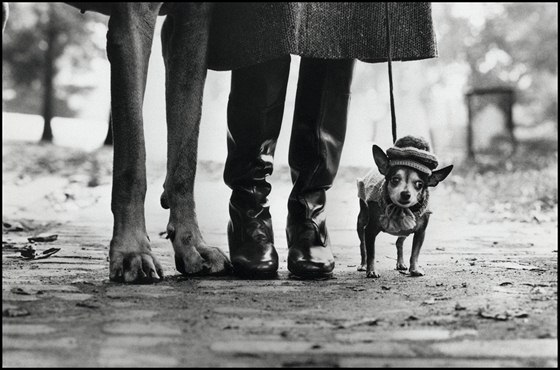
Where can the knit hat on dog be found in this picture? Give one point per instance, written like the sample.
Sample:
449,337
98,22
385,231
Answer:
412,151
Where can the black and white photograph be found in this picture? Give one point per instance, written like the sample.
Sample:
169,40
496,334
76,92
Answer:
280,184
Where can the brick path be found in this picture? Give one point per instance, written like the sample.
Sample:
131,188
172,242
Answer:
489,297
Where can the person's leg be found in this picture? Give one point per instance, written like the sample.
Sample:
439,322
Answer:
255,110
316,143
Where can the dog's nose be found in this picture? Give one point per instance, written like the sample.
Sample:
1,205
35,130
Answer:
405,195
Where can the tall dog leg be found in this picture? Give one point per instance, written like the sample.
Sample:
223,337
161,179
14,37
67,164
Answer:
129,40
417,242
400,257
184,40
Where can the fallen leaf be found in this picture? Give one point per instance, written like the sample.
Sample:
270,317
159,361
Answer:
506,283
43,239
538,290
459,307
7,227
28,252
493,316
15,312
517,266
21,291
369,322
88,304
383,287
49,252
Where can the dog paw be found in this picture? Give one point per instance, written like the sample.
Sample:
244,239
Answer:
188,261
194,257
362,268
133,263
417,271
202,260
372,274
401,266
215,260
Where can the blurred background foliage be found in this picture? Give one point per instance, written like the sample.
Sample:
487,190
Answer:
506,44
480,45
54,64
42,41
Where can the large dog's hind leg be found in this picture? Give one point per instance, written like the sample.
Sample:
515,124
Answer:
184,40
129,40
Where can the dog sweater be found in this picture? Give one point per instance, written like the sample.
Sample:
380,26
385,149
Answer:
395,220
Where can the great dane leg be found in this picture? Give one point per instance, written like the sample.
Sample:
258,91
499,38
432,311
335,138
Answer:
184,40
129,40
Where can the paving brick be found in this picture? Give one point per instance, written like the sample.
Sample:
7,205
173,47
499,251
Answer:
70,296
514,348
9,296
121,357
132,341
243,347
133,291
257,322
15,358
131,315
63,267
9,342
26,329
427,362
428,334
135,328
34,288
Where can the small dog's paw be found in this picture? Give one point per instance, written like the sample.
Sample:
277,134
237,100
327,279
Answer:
362,268
401,266
416,271
372,274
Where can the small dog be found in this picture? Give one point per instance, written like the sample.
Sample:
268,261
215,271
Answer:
396,202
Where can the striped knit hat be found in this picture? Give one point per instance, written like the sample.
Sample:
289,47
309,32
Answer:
412,151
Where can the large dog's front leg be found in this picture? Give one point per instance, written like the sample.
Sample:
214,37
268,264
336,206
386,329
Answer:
129,40
184,40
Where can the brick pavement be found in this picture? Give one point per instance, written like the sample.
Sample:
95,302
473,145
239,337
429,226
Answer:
75,317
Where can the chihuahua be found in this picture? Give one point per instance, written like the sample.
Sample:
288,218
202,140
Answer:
396,200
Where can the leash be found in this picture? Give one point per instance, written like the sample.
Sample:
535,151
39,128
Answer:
389,59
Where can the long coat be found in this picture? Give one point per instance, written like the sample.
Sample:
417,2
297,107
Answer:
243,34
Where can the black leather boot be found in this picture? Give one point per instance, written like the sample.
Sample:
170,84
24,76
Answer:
316,143
255,110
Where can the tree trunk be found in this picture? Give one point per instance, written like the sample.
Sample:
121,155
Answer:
48,96
109,137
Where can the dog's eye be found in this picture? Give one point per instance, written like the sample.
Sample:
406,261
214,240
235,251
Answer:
395,181
419,185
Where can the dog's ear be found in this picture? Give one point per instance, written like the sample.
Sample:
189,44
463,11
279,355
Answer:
381,159
439,175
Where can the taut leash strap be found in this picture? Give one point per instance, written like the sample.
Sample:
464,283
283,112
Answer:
389,59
